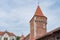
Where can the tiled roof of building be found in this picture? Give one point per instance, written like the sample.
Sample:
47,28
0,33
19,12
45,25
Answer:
48,33
38,12
1,33
10,34
27,36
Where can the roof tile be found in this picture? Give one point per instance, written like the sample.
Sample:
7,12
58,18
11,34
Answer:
38,12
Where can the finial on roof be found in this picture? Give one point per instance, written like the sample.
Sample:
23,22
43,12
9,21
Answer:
38,2
6,31
22,33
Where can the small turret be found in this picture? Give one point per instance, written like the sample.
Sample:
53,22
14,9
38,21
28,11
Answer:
38,24
22,37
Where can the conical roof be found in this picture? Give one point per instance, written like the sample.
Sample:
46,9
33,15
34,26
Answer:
38,12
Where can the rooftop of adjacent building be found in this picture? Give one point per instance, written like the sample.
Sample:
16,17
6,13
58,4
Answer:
9,33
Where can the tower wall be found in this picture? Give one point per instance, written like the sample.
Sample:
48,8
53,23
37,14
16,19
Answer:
32,28
38,24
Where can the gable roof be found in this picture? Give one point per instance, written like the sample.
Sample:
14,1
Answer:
10,34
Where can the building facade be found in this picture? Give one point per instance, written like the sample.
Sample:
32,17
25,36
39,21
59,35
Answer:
7,36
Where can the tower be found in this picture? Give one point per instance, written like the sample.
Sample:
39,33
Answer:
38,24
22,37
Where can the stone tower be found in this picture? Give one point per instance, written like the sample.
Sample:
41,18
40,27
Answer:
38,24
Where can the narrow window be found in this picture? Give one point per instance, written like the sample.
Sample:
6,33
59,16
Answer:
5,38
12,39
58,38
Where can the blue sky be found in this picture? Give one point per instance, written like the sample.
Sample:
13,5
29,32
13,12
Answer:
16,14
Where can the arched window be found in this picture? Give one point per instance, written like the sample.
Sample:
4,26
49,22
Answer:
12,39
5,38
58,38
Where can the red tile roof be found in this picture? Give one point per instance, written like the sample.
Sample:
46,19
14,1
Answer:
10,34
1,33
38,12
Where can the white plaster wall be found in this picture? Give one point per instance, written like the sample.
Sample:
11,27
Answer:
5,36
12,37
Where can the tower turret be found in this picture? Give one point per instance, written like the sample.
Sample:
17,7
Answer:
38,24
22,37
